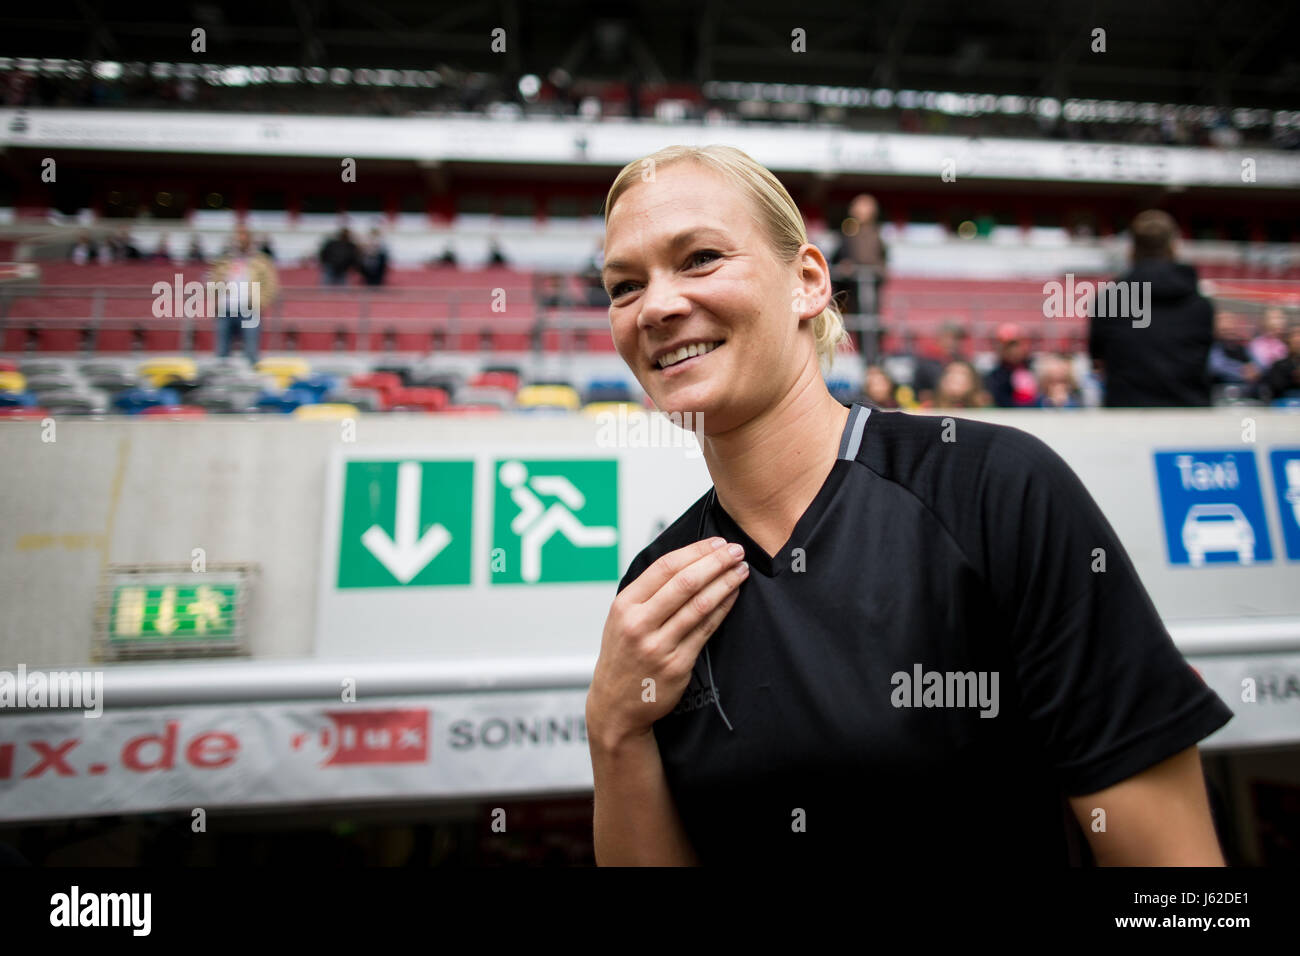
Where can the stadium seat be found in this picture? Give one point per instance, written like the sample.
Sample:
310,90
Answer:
174,411
599,408
42,365
418,399
319,385
162,370
548,396
135,400
364,399
284,370
230,399
328,411
495,397
841,388
286,401
75,402
474,409
23,412
50,381
496,379
383,383
607,390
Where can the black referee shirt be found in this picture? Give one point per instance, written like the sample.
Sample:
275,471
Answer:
930,663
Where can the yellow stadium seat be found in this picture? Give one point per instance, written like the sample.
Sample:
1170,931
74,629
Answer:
284,370
160,371
548,396
326,412
599,408
13,382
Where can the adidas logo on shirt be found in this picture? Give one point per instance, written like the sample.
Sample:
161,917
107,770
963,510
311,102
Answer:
695,697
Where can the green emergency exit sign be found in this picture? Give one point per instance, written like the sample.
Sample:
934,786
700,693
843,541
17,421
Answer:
173,612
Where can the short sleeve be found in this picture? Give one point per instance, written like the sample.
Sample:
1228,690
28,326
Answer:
1104,689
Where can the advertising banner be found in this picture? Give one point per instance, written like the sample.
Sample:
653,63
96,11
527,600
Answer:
62,764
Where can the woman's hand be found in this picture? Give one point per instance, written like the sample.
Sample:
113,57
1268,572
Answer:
655,630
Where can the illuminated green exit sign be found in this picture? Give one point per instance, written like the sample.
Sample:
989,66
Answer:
170,611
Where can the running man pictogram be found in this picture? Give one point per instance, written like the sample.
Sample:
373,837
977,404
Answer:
536,525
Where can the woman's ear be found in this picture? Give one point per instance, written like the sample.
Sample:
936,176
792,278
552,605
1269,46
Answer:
812,294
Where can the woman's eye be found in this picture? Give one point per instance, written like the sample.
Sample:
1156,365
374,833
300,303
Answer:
699,258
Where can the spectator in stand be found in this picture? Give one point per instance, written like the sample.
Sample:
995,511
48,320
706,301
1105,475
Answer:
195,253
1056,385
591,276
1012,383
495,256
447,259
881,391
338,256
952,348
1230,361
373,261
249,268
84,250
959,387
859,265
264,245
1282,380
161,253
120,246
1163,361
551,293
1269,346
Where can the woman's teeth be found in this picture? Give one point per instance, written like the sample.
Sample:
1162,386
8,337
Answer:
687,351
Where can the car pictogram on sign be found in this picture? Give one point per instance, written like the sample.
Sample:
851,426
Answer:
1217,528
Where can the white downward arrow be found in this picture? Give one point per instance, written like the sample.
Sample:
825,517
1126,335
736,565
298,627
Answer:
406,557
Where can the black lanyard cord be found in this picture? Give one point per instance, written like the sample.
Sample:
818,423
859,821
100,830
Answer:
708,663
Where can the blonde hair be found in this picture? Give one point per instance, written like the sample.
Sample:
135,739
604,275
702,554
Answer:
775,211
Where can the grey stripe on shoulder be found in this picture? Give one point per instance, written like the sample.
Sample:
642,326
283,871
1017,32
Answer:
852,438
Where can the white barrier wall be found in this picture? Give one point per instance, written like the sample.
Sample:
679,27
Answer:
135,492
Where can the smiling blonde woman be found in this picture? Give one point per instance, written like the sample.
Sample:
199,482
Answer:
879,636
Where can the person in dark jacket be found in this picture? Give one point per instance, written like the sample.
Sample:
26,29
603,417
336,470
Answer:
1159,359
1282,380
1012,383
373,262
338,256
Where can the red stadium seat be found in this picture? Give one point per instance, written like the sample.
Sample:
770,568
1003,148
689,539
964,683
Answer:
175,411
422,399
472,410
506,380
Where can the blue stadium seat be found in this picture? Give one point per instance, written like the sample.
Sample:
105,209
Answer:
134,400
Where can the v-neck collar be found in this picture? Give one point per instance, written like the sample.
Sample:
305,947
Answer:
772,565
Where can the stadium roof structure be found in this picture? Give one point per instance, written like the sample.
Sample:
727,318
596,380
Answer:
1175,51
